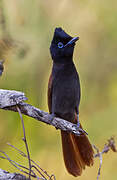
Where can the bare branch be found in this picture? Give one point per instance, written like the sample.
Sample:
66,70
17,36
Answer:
41,171
17,165
107,147
44,175
9,99
25,141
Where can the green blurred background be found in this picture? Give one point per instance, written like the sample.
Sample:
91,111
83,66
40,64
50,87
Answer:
26,30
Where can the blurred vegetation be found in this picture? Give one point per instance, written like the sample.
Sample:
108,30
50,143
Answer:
26,29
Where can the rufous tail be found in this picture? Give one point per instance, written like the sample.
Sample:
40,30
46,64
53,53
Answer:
77,152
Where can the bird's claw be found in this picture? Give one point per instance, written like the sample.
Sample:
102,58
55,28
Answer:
83,131
80,130
51,117
78,126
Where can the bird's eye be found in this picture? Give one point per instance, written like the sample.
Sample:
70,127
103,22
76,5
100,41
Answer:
60,45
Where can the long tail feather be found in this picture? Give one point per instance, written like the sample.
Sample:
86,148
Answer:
73,166
77,152
83,145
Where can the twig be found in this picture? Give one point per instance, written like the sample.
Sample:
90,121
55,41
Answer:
17,165
43,177
99,154
36,165
25,140
107,147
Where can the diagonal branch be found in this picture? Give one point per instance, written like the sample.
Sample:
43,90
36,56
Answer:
10,98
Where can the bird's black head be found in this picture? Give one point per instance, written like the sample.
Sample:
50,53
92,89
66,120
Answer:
62,46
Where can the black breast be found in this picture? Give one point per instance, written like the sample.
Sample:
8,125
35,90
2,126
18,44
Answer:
65,91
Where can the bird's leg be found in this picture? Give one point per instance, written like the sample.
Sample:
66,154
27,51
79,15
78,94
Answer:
78,122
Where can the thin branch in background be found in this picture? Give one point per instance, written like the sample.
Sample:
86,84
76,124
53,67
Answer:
25,140
17,165
43,177
107,147
35,164
99,154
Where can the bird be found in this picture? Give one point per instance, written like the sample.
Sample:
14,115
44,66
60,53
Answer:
64,100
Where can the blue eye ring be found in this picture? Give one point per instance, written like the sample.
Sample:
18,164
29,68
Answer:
60,45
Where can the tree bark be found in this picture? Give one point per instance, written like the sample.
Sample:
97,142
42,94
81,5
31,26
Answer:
9,99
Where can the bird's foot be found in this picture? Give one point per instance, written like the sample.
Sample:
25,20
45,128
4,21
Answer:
78,126
51,117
